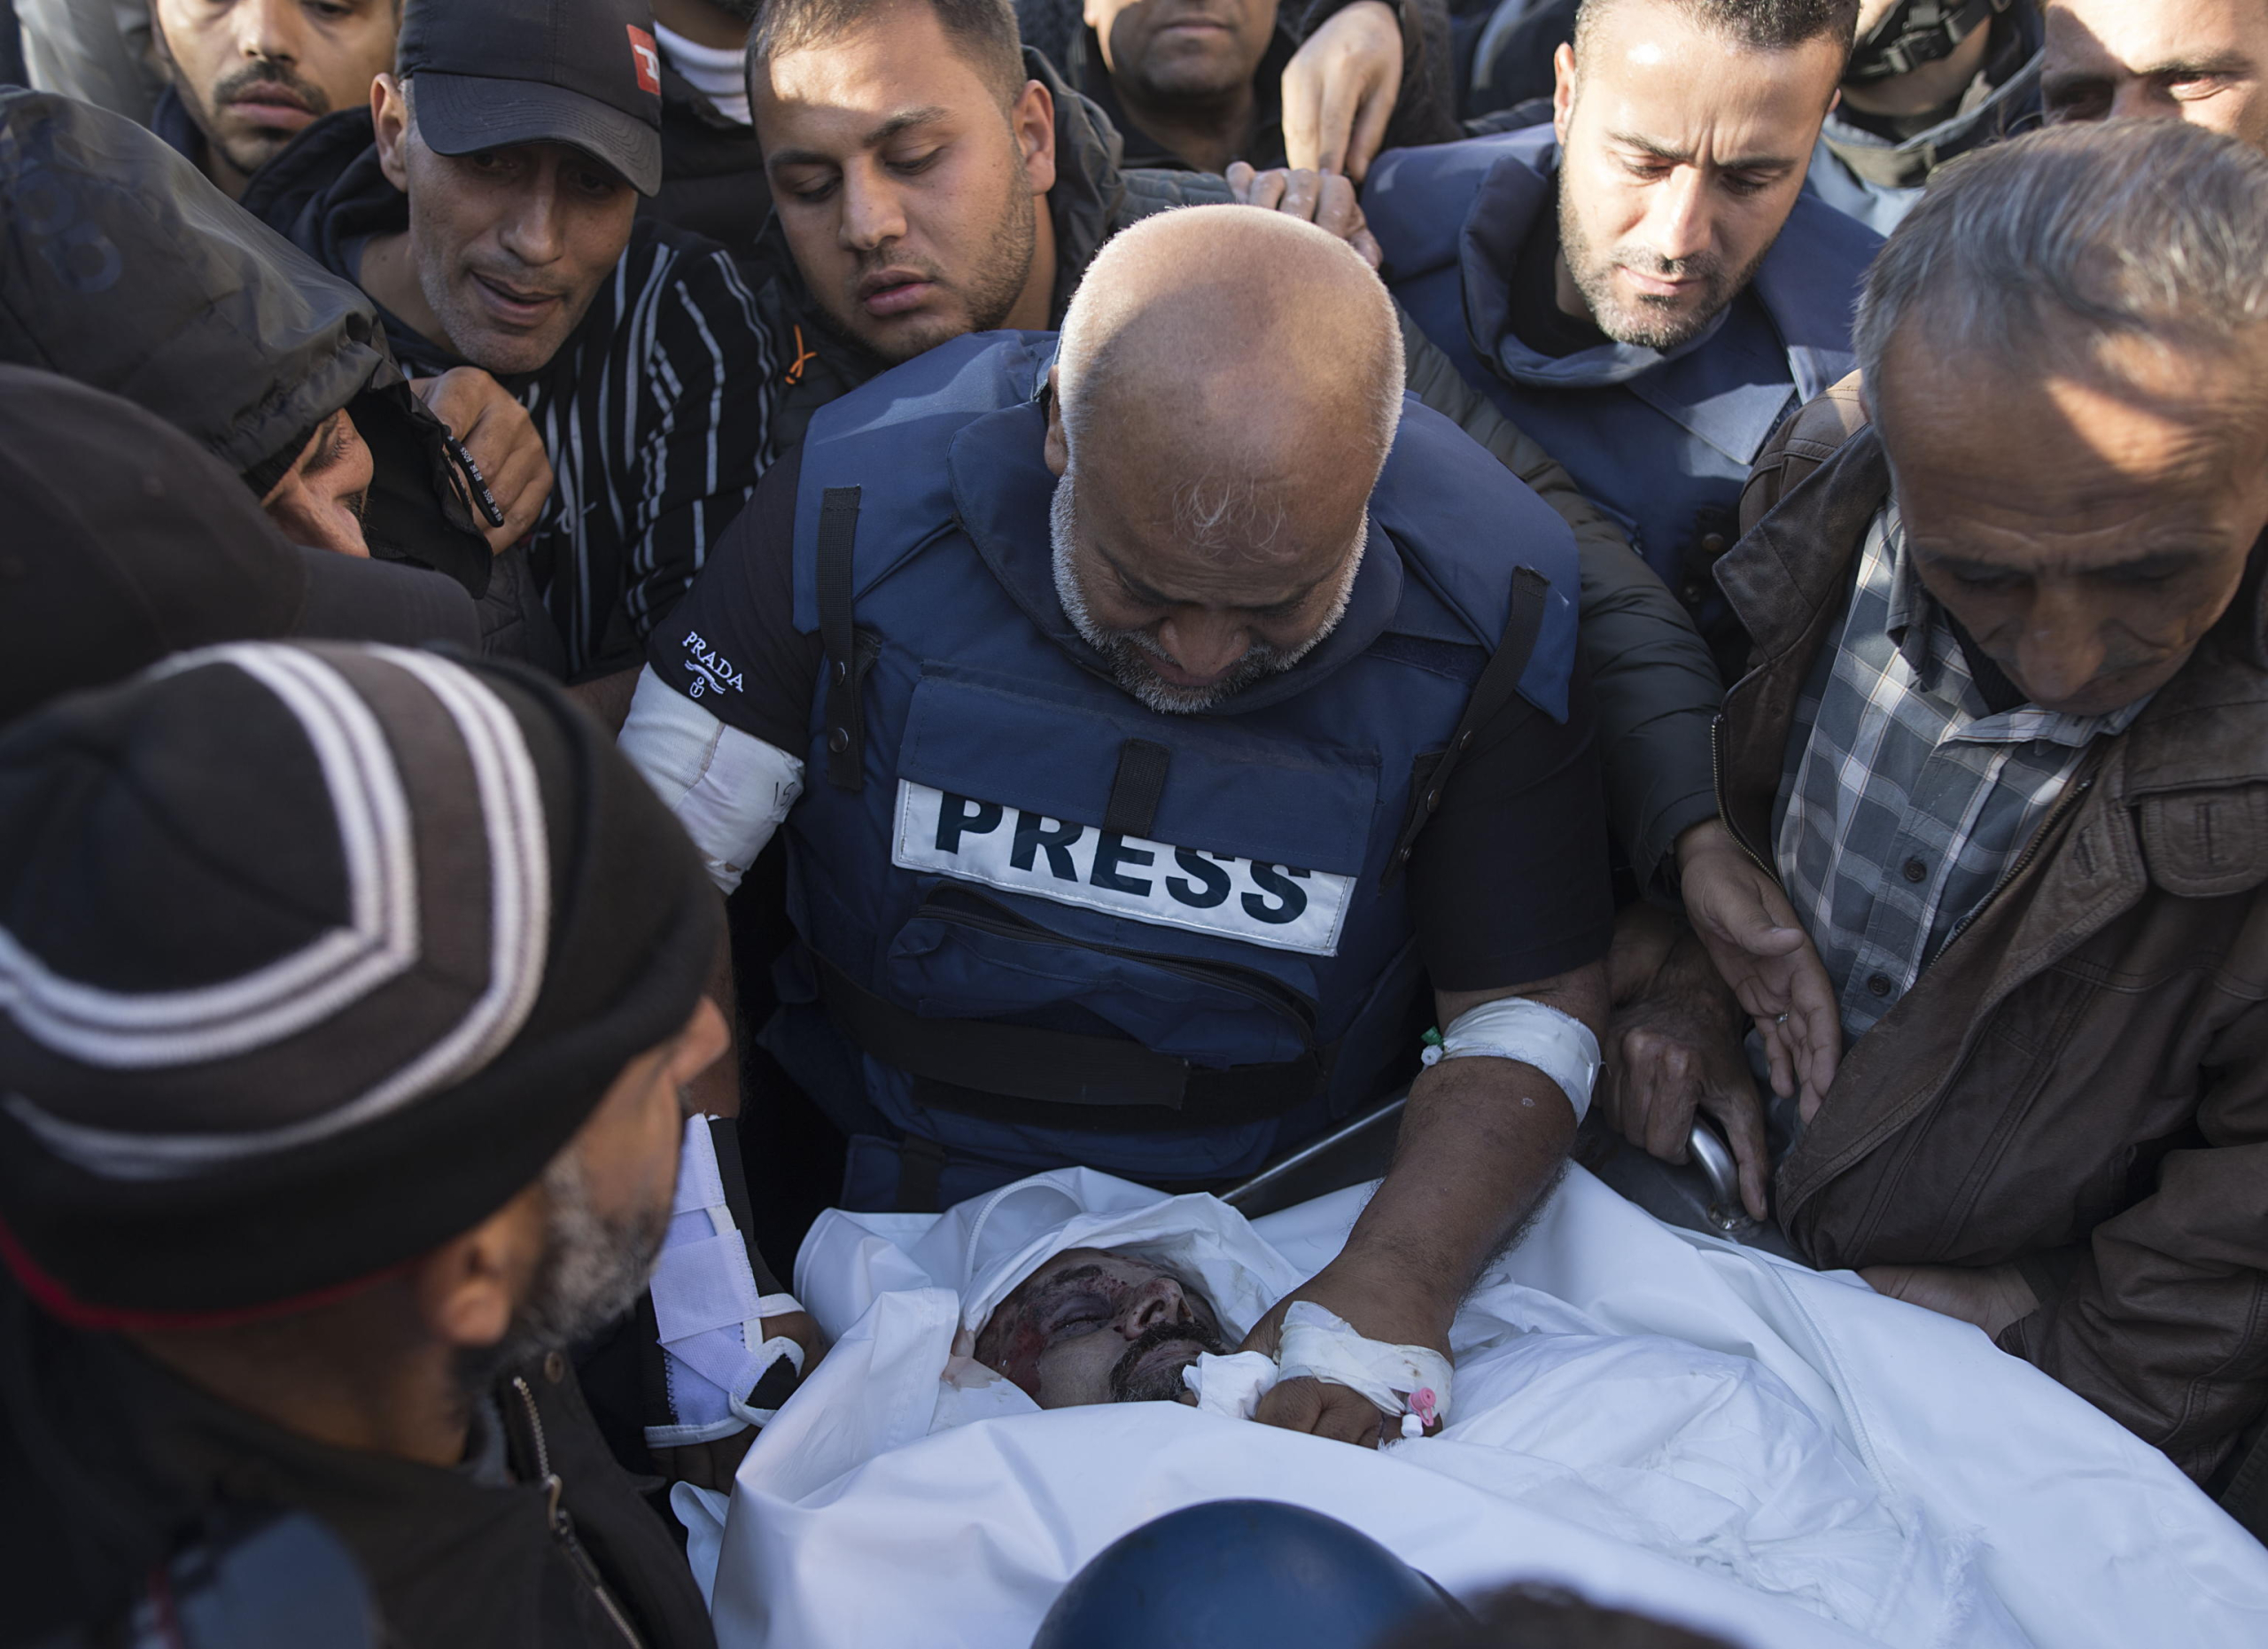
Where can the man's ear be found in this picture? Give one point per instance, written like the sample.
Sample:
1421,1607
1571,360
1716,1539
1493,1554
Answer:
467,1289
390,123
1056,450
1563,89
1033,121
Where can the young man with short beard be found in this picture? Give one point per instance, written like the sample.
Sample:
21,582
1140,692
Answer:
246,77
346,999
1641,285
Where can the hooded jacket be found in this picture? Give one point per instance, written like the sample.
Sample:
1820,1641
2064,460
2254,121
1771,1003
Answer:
2078,1082
143,279
712,171
1664,439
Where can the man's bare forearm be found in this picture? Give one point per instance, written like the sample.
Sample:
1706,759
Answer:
716,1092
1481,1139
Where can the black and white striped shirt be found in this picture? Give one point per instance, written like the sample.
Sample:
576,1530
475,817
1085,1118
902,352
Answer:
654,412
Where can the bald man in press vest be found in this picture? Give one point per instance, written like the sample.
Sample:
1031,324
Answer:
1131,787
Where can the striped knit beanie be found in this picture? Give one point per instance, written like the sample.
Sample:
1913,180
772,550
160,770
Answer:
311,958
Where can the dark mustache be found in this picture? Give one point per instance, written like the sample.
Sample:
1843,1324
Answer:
269,72
1126,1386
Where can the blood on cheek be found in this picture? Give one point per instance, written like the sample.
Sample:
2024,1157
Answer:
1042,1324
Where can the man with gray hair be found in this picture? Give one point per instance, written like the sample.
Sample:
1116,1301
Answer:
1144,713
2003,744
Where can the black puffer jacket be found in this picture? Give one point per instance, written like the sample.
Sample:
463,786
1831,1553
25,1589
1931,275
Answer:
121,266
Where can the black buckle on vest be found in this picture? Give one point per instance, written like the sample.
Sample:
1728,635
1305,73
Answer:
1132,809
846,723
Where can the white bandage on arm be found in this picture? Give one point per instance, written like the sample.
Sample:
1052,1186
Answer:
1512,1027
1318,1344
728,788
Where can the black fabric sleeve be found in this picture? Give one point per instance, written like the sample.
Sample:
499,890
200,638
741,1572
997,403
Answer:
1510,882
734,636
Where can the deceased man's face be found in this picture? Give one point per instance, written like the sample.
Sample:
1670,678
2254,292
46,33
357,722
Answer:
1092,1326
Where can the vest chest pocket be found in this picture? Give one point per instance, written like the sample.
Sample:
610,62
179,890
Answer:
1245,839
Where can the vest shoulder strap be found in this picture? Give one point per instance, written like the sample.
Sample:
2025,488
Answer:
1492,694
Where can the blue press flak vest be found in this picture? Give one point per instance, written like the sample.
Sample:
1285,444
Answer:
1663,442
1176,934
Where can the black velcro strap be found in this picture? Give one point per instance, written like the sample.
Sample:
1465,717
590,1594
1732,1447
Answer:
1133,806
846,732
1022,1073
725,1138
1499,685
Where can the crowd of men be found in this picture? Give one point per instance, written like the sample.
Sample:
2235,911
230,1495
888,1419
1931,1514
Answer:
1121,563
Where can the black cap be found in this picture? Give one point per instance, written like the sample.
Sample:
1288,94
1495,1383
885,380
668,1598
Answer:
585,72
126,542
311,958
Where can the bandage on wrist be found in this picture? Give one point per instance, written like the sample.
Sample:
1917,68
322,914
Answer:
1317,1344
1559,1045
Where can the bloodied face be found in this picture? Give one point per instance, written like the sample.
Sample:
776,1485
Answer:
1092,1326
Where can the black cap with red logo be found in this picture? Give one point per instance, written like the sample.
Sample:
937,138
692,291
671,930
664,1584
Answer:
584,72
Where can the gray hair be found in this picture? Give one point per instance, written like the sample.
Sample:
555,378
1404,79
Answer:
2152,229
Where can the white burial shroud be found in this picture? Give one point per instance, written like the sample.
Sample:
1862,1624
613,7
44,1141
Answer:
1656,1418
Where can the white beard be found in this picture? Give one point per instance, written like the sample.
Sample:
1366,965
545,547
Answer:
1129,650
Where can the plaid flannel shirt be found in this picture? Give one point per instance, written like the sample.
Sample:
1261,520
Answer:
1906,799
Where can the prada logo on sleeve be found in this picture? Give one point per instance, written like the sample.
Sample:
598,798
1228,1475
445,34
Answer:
1278,906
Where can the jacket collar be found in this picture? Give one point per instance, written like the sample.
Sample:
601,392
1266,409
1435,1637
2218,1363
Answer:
1786,581
1089,187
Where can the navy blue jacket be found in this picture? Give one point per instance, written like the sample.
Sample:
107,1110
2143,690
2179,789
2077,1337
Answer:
1665,441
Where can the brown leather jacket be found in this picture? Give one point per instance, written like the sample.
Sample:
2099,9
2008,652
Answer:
2079,1081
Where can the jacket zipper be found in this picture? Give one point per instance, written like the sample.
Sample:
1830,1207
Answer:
1717,784
1006,925
563,1525
2064,804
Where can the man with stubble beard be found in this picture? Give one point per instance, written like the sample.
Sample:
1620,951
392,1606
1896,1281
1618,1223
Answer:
1642,285
487,204
346,997
248,76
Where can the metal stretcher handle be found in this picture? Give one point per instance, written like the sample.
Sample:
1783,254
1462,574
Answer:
1726,1211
